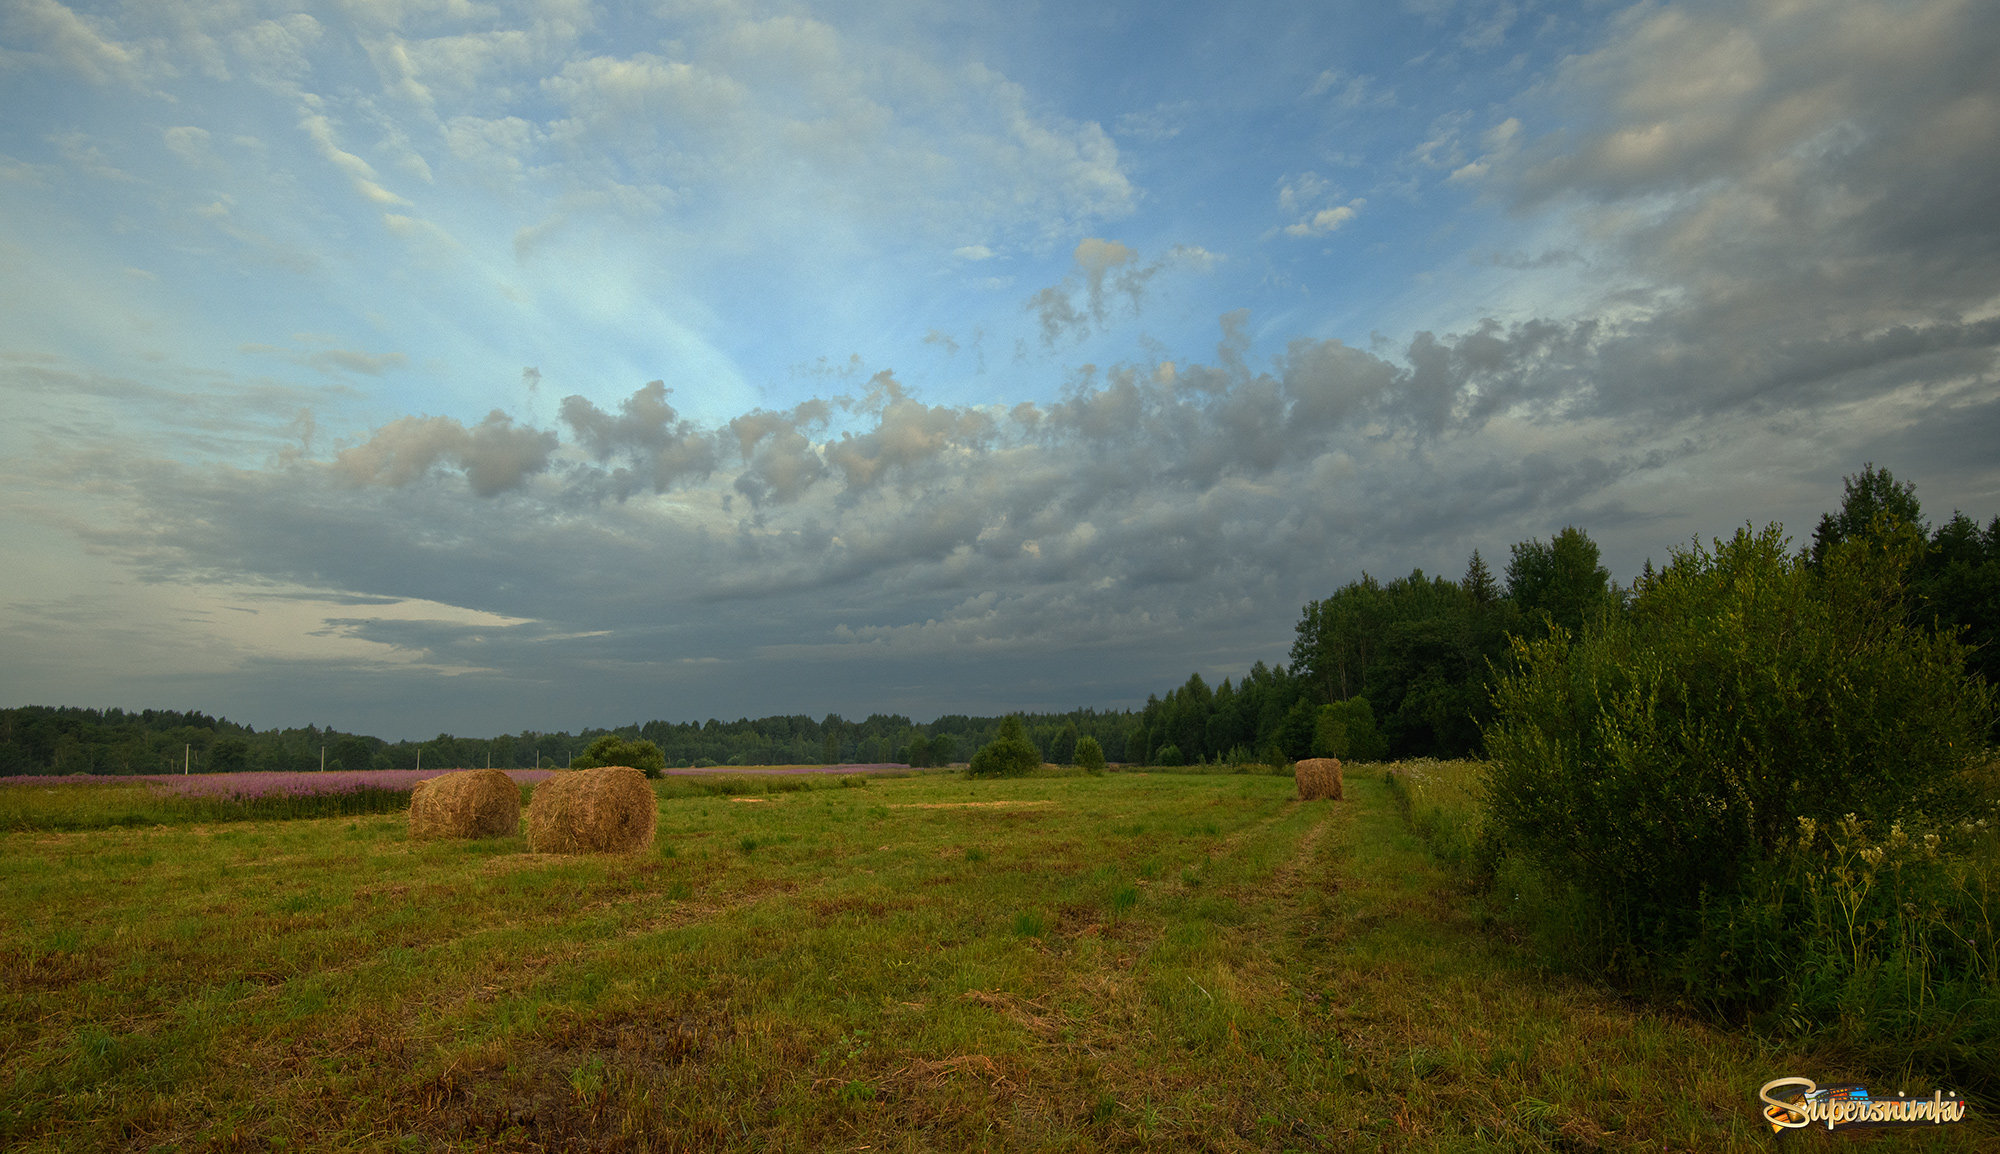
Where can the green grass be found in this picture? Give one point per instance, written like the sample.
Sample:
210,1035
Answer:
1129,962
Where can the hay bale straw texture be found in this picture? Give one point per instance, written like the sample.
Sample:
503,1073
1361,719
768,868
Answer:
609,809
470,803
1318,777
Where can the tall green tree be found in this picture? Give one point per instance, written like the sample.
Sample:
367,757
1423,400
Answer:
1559,581
1062,750
1872,504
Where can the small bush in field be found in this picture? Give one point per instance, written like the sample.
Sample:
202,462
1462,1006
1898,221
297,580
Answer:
1010,754
1168,755
1089,755
611,749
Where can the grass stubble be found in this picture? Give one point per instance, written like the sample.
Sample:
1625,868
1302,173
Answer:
1115,963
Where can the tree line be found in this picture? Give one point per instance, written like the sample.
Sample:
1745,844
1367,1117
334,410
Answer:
38,739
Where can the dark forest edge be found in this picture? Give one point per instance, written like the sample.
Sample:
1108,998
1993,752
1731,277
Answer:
1400,669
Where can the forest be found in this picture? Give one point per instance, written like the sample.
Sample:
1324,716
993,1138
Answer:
1394,669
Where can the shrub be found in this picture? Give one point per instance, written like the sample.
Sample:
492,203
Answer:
1661,756
611,749
1089,755
1730,789
1168,755
1010,754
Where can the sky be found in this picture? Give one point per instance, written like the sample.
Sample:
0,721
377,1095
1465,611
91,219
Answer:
421,366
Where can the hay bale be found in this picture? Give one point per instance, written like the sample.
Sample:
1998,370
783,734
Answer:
1318,777
470,803
609,809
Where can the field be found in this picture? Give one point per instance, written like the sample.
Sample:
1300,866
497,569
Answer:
1129,962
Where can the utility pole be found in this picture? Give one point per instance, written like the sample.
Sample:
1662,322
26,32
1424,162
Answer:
186,757
322,759
420,759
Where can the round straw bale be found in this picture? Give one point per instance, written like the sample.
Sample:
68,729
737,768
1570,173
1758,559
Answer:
609,809
470,803
1318,777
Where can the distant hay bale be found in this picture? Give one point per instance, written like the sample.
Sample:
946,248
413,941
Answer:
1318,777
470,803
609,809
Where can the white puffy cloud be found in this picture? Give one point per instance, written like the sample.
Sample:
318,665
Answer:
1325,220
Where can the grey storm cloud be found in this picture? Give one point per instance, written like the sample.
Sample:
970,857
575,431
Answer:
1812,187
1142,476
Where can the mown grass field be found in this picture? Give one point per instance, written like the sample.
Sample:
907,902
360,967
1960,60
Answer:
1131,962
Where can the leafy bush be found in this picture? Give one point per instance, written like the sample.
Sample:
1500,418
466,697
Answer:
613,750
1760,784
1010,754
1660,756
1089,755
1168,755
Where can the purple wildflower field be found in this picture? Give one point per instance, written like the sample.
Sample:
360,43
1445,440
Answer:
246,786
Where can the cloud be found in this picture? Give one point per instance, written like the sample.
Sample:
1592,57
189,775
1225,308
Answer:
772,112
75,41
1079,304
1158,124
1326,219
351,361
495,455
189,143
653,446
1306,196
359,172
1349,91
1791,211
